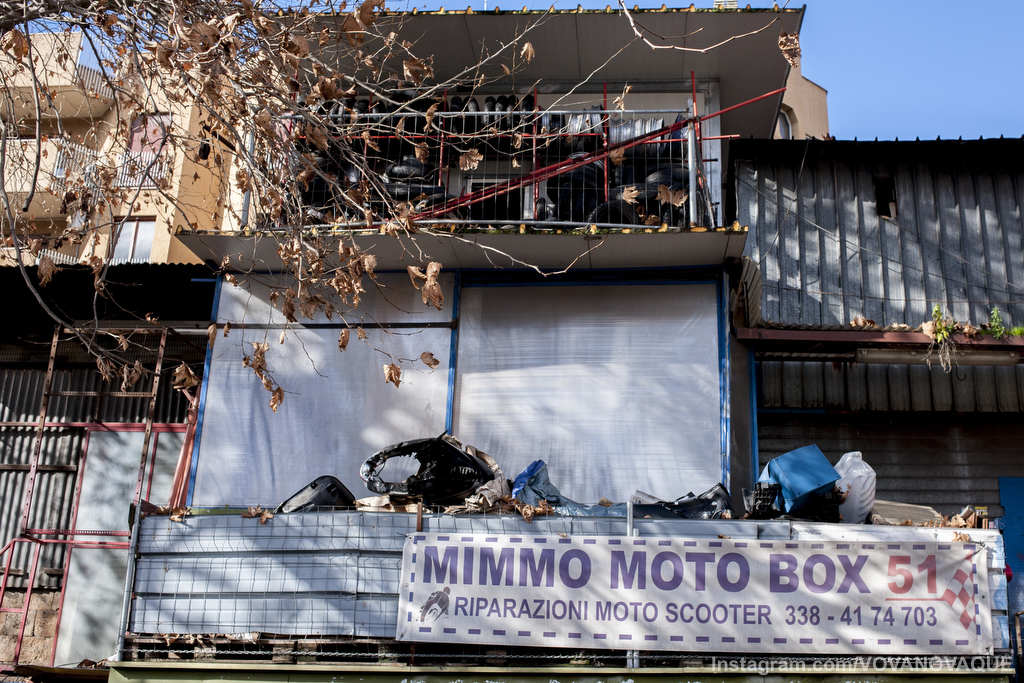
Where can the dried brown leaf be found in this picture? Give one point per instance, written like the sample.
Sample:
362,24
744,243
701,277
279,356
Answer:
860,322
106,369
15,43
428,359
365,13
184,378
630,194
343,339
211,333
393,374
276,398
528,53
416,70
45,269
370,142
470,160
789,45
421,151
130,375
429,116
360,334
673,197
620,101
507,71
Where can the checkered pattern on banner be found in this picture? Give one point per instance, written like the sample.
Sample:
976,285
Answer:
959,595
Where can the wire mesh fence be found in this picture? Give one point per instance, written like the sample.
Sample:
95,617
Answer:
503,162
323,585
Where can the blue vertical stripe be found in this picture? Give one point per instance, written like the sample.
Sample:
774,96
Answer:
723,372
453,352
202,396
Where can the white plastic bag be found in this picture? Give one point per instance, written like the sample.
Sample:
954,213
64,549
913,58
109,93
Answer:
857,479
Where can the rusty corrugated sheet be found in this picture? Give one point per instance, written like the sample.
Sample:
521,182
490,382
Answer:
825,255
61,452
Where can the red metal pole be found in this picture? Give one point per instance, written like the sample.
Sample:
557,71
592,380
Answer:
533,156
152,467
9,550
151,413
570,164
37,445
28,601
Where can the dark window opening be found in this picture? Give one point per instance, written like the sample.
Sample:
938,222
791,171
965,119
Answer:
885,196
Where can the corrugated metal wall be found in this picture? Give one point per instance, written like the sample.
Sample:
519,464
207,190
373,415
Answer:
825,255
61,452
920,459
884,388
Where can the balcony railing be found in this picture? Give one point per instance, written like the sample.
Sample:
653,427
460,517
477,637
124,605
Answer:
549,170
143,169
93,81
72,158
60,159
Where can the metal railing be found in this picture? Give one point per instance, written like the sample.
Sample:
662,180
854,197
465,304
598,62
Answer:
71,158
143,169
93,81
553,170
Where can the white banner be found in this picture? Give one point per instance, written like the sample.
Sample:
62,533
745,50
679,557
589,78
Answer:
649,593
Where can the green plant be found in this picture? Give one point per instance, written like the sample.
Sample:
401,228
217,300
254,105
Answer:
940,330
995,324
1017,331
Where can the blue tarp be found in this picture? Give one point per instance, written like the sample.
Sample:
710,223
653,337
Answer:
802,474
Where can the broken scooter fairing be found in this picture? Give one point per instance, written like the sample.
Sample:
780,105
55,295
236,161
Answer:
447,473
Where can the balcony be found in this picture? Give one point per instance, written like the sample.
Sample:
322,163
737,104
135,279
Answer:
144,170
76,90
61,163
554,170
550,185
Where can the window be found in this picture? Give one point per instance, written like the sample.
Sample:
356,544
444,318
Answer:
885,196
783,127
134,241
145,162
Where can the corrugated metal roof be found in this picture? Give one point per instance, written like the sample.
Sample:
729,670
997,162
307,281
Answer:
825,254
61,451
806,385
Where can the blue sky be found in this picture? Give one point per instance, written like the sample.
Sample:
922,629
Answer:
909,68
893,68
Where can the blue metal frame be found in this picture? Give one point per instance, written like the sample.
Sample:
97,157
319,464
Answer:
202,397
755,449
453,353
723,344
723,375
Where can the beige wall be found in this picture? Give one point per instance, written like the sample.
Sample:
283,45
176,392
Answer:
192,196
805,103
